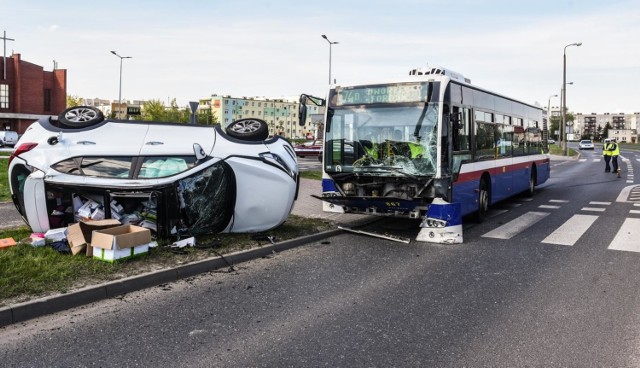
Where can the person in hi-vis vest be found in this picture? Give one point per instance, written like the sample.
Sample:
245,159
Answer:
614,148
606,155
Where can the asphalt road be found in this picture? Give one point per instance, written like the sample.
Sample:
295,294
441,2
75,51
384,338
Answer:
522,295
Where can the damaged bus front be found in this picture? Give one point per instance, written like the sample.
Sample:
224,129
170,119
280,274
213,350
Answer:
386,153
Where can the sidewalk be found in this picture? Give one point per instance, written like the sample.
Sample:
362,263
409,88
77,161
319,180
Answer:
305,206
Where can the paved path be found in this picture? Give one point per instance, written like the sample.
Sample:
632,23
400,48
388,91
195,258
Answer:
307,206
9,216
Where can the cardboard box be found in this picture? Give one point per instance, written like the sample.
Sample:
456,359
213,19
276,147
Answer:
79,234
7,242
120,242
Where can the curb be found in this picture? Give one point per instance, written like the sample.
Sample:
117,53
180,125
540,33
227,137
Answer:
52,304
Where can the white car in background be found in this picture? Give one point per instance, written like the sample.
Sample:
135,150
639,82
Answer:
169,177
586,144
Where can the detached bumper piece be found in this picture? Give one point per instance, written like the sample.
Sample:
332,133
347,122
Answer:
376,235
442,224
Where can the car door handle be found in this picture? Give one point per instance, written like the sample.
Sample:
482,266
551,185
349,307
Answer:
85,142
154,143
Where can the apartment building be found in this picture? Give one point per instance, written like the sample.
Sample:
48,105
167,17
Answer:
624,127
280,114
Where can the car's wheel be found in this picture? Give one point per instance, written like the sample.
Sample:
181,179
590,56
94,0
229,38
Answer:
80,117
483,201
249,129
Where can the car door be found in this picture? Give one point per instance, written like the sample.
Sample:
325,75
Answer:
111,139
176,139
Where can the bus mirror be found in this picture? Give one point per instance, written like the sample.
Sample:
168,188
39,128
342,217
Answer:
302,110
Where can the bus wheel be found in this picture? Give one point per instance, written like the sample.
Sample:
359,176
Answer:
532,183
483,201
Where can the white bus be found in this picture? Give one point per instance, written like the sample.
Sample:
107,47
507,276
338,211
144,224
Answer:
430,146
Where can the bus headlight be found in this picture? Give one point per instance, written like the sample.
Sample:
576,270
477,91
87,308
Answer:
436,223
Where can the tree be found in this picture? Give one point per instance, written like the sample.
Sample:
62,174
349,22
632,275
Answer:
207,118
605,132
555,126
73,101
154,110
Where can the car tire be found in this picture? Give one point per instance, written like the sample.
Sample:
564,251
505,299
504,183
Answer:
79,117
248,129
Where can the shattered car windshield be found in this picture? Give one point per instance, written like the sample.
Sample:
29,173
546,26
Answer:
398,140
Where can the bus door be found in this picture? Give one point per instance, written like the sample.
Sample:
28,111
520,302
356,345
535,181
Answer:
463,187
503,177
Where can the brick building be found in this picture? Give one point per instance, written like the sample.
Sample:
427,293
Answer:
29,93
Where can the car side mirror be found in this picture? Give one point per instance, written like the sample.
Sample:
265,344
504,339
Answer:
199,151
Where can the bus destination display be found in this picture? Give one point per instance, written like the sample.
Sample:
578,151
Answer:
399,93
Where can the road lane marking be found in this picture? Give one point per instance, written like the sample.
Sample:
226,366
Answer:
571,231
515,226
635,211
548,206
627,236
584,159
558,201
596,160
593,209
601,203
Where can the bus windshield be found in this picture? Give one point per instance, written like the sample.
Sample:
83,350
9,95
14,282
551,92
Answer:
382,140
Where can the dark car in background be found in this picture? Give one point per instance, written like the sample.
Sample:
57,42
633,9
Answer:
309,148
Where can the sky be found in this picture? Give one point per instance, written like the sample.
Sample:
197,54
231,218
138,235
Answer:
188,50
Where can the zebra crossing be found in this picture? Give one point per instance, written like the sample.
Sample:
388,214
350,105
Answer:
570,232
624,161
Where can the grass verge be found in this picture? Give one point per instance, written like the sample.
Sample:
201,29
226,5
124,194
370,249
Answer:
28,273
315,175
5,195
557,150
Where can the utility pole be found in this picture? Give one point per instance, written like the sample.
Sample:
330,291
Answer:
4,54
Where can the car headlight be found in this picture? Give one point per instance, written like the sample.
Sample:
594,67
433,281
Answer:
278,161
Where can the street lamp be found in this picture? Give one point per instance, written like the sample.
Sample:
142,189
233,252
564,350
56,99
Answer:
564,95
120,88
330,43
549,109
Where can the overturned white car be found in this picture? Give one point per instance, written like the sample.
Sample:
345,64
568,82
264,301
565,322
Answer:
168,177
